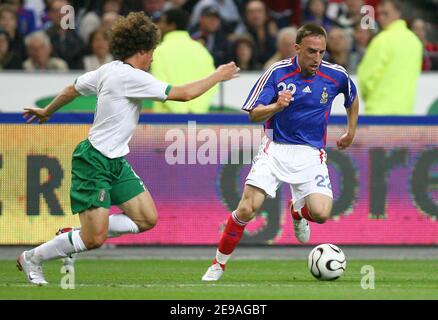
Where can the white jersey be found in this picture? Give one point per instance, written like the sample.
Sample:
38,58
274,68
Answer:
120,90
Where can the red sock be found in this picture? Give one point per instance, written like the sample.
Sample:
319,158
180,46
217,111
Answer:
222,265
305,213
232,234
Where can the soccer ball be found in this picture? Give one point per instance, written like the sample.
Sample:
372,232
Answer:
326,262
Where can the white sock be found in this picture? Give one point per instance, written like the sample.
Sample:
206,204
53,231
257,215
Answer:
71,242
120,224
222,258
59,247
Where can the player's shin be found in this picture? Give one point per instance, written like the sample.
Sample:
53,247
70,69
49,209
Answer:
61,246
230,238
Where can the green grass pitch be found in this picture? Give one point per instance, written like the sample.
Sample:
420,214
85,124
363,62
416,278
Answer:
244,279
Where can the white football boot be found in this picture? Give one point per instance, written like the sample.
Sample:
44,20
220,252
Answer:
33,271
301,227
214,272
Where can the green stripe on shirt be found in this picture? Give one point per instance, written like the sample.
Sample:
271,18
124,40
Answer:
169,87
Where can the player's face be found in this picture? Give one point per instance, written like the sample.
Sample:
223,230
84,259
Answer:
147,58
310,53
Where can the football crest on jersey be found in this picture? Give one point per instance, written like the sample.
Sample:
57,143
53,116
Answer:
324,96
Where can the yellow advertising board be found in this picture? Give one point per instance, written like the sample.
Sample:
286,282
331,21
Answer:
35,174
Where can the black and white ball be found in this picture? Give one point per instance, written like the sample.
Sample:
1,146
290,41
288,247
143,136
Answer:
327,262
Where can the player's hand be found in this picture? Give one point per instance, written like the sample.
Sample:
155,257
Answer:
35,113
284,99
228,71
344,141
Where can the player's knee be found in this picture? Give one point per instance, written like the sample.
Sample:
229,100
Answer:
95,241
148,222
246,211
321,213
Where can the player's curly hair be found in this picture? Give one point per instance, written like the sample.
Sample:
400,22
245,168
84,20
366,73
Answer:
133,34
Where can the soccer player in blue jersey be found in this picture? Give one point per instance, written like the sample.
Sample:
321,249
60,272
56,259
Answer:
293,98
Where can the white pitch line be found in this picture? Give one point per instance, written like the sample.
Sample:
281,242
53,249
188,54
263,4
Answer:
188,285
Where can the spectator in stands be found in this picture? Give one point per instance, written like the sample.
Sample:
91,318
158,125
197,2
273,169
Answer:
362,38
179,59
210,34
8,22
316,12
92,20
346,14
176,4
108,20
338,48
243,53
285,46
99,44
38,8
284,12
154,8
389,71
7,59
66,44
131,6
262,29
227,9
26,17
39,50
430,50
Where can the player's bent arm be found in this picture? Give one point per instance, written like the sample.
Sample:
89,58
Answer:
262,113
352,116
193,90
64,97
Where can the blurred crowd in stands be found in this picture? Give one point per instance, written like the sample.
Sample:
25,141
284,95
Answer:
254,33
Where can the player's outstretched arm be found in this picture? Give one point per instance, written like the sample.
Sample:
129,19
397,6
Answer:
352,114
263,113
193,90
66,96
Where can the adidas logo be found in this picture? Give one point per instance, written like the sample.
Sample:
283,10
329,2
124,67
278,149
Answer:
307,90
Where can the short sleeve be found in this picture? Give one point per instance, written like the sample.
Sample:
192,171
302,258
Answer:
86,84
143,85
348,88
263,92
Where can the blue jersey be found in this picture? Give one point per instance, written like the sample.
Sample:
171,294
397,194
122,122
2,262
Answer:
305,120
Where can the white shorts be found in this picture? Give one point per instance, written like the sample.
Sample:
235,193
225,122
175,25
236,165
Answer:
301,166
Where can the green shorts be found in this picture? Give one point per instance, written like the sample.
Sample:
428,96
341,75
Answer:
99,182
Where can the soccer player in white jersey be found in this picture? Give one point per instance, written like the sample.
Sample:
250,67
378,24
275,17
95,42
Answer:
101,176
293,98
